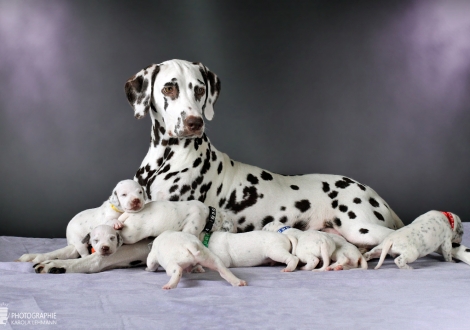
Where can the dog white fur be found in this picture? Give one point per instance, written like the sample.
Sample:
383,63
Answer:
127,196
346,255
253,248
427,233
312,245
176,251
104,239
157,217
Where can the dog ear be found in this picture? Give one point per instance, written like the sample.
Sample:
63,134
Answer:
113,199
139,90
119,239
212,90
86,239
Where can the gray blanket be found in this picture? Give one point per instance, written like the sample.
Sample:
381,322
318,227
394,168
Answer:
435,295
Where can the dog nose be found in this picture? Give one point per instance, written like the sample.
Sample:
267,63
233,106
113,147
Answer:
105,248
193,123
135,202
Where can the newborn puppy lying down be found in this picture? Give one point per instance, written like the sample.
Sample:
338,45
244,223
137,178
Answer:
176,251
345,255
429,232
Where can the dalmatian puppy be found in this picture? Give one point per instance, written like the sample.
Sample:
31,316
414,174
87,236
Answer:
346,255
312,245
429,232
182,164
176,251
128,196
156,217
253,248
103,239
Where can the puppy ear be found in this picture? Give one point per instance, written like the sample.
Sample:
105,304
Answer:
139,90
86,239
212,90
119,239
113,199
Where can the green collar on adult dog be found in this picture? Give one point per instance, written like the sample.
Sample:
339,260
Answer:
206,239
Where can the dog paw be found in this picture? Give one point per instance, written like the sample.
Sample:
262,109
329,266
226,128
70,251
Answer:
241,283
48,267
27,258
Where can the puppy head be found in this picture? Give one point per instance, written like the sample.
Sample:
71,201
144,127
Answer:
177,91
458,229
128,196
104,239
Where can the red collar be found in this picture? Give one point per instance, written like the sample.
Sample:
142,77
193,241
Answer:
449,217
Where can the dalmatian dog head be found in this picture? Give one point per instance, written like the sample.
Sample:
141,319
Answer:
128,196
104,240
179,92
458,229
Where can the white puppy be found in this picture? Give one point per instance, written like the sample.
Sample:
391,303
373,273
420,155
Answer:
176,251
103,239
253,248
312,245
156,217
426,234
127,196
346,255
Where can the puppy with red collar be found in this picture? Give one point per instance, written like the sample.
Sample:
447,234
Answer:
429,232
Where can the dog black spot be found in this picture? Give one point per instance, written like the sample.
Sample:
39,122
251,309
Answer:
467,250
162,129
455,245
301,225
348,180
326,187
197,143
302,205
252,179
250,197
361,186
261,196
239,230
241,220
184,189
248,228
379,216
352,215
164,142
333,194
187,142
165,169
190,198
267,220
173,188
363,231
165,105
357,200
219,169
343,208
214,156
334,204
373,202
34,266
203,190
190,86
135,262
197,162
156,134
185,170
176,180
342,184
197,182
283,208
266,176
222,202
294,187
219,189
337,222
283,219
174,142
174,198
169,175
231,162
159,161
207,162
166,153
56,270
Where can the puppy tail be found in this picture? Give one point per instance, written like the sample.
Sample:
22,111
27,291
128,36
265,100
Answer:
193,249
386,245
293,242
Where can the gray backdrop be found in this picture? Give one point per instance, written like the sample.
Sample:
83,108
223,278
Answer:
375,90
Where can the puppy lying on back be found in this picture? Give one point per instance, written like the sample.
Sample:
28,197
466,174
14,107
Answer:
426,234
312,245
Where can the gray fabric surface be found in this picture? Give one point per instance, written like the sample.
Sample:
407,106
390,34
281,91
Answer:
435,295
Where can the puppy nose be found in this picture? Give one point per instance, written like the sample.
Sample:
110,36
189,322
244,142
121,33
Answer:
193,123
105,248
135,202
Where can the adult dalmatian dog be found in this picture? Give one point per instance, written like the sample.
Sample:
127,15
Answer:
182,164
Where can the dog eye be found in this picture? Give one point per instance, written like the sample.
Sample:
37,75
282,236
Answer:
167,90
95,241
200,91
124,195
112,238
140,192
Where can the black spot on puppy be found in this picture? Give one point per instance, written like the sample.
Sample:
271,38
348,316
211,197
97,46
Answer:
337,222
252,179
326,187
266,176
363,231
379,216
352,215
357,200
267,220
343,208
455,245
373,202
294,187
302,205
333,194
